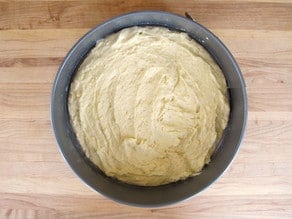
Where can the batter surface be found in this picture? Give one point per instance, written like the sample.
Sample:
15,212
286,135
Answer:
148,105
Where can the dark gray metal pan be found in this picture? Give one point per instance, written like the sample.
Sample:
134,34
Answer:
158,195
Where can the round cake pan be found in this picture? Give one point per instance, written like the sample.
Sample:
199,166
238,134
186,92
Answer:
144,196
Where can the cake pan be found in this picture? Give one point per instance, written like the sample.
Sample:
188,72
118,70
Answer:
149,196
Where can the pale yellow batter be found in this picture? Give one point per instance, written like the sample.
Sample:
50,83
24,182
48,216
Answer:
148,105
